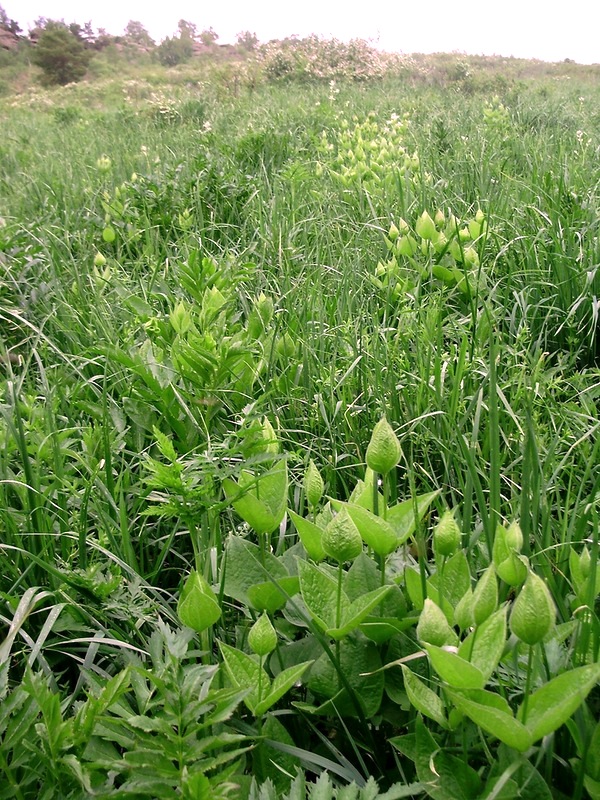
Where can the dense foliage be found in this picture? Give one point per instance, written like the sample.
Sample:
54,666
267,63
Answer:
299,452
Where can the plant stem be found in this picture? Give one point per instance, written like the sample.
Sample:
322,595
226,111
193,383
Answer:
527,684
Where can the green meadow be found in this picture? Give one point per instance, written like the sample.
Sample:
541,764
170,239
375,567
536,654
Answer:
299,434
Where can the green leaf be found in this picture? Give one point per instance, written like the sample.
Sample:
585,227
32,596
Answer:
493,714
446,777
375,531
362,577
269,596
402,516
423,698
310,535
260,501
282,683
357,611
453,669
485,645
244,671
319,592
243,568
552,705
412,579
456,579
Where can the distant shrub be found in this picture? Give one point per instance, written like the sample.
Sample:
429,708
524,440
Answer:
61,55
175,50
318,59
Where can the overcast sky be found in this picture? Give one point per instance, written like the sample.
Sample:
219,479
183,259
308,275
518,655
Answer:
551,30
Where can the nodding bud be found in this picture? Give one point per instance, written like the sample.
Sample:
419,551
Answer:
262,637
384,451
313,484
99,260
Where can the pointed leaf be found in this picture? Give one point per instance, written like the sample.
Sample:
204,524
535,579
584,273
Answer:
243,568
453,669
375,531
243,671
493,714
310,535
423,698
282,683
319,592
269,596
552,705
402,516
485,645
446,777
357,611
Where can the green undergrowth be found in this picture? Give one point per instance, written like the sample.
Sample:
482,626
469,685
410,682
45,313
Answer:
299,444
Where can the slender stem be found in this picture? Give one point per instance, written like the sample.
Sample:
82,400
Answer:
338,615
527,684
375,495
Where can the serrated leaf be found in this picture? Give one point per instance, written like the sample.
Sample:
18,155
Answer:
310,535
551,706
493,714
423,698
453,669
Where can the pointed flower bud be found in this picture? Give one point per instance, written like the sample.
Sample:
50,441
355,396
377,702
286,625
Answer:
384,451
433,627
425,226
262,637
446,535
198,607
313,484
485,596
533,613
341,539
99,260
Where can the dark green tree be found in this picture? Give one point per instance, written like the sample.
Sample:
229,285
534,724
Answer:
174,50
61,55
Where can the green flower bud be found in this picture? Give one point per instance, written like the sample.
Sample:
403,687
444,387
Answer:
485,596
513,570
99,260
264,306
471,257
341,539
585,563
406,246
439,219
433,627
533,613
313,484
198,607
446,535
285,346
269,438
262,637
403,226
425,226
103,164
393,233
463,613
384,451
514,536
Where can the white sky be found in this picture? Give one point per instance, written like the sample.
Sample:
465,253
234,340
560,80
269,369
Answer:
550,30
